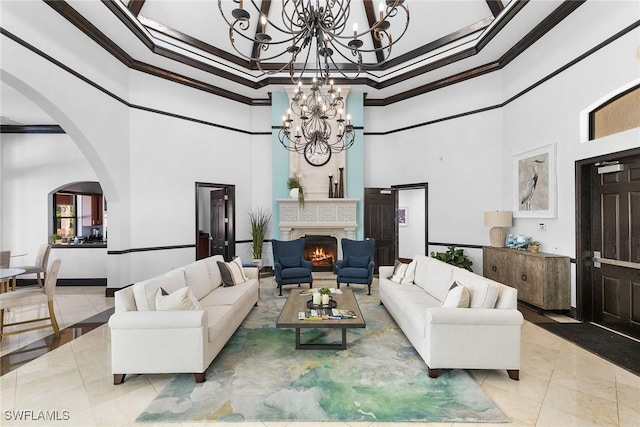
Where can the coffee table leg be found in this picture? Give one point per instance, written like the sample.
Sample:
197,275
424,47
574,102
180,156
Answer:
298,339
340,346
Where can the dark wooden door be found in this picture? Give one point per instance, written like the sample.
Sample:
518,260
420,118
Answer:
219,230
616,242
380,223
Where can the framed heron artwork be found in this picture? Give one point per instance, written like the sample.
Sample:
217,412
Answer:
535,183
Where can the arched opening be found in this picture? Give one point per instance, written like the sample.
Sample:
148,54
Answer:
78,215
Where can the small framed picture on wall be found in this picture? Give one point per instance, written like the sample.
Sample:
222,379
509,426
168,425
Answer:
402,216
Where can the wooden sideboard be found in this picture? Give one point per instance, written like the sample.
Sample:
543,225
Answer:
542,279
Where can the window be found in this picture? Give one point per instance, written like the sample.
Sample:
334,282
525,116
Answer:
65,219
620,113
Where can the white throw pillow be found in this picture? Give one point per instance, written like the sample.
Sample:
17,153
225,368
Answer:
403,273
457,297
182,299
484,295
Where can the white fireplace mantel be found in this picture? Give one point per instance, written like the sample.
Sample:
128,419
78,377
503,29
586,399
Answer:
332,217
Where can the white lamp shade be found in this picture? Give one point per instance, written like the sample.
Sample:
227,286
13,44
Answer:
498,219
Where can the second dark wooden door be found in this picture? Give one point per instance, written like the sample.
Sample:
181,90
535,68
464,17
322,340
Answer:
380,223
616,236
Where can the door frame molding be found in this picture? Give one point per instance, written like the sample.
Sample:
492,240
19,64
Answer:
231,190
425,186
584,260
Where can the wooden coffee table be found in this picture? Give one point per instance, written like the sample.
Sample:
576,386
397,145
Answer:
296,303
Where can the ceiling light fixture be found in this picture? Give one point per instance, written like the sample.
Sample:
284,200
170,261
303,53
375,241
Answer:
313,137
319,25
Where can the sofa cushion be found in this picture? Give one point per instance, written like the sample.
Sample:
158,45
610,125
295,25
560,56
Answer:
214,271
403,273
232,295
220,320
197,278
290,261
356,273
231,272
182,299
145,292
358,261
292,273
433,276
457,297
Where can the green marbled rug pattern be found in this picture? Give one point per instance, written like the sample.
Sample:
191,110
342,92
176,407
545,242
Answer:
259,376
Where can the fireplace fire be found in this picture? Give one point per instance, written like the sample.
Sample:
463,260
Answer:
322,251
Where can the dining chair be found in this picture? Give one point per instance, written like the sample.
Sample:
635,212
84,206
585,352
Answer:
5,259
29,297
40,267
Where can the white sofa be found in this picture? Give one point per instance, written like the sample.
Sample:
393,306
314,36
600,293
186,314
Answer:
455,338
145,340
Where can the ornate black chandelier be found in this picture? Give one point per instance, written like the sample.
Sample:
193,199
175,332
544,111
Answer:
315,110
303,24
318,26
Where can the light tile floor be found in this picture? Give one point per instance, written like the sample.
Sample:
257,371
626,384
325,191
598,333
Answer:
560,383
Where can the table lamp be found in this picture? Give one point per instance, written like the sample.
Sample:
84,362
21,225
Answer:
498,220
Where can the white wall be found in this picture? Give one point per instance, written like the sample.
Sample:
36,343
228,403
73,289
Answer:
458,158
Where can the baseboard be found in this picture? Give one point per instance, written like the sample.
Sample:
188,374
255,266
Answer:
98,281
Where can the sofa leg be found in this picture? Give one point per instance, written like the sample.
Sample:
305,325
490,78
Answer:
433,373
280,288
199,377
118,379
369,290
514,374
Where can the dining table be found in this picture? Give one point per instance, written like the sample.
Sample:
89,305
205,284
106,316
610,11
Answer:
8,278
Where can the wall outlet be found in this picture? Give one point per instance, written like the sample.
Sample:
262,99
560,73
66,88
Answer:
542,226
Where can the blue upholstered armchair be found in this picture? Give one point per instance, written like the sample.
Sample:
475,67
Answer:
357,262
289,263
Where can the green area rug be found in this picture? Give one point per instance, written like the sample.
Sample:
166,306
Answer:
259,376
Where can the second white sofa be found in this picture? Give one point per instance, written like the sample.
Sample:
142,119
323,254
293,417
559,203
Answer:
149,339
484,336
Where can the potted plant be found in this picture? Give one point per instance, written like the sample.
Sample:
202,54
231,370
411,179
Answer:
294,183
534,246
455,257
260,220
325,292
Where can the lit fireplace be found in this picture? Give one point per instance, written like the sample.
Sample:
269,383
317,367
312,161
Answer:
322,251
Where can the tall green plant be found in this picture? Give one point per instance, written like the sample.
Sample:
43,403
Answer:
455,257
260,221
